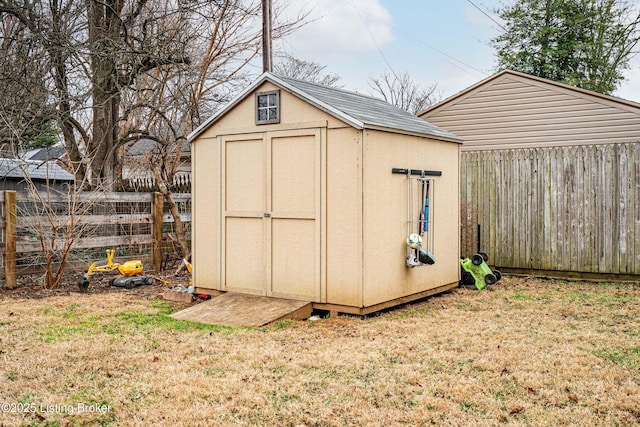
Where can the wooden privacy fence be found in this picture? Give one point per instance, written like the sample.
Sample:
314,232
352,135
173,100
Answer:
134,224
568,209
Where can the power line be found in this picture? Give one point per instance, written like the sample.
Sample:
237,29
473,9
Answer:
457,62
453,58
486,14
374,40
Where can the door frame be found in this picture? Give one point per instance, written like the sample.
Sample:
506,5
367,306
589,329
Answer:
320,134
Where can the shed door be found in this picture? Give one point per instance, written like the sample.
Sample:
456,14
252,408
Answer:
271,203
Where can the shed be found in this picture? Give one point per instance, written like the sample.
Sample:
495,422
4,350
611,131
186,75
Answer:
294,196
549,173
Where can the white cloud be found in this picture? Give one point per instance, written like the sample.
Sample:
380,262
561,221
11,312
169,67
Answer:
338,28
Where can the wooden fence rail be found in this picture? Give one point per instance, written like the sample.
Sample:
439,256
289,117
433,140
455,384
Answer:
134,224
566,209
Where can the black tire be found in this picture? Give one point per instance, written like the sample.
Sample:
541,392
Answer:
497,274
467,280
130,284
83,284
477,259
484,256
490,279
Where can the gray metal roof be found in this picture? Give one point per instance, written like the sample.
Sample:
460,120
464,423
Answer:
47,153
145,145
368,112
36,170
359,111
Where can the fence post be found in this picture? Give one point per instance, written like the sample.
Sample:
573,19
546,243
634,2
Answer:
157,214
10,237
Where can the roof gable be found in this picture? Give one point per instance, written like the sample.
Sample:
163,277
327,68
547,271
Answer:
539,81
357,110
516,110
47,153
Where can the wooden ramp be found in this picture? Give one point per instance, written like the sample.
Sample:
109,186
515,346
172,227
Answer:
233,309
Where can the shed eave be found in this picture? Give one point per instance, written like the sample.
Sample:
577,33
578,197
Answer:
312,100
211,120
410,133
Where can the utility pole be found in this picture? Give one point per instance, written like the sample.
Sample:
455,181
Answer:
266,36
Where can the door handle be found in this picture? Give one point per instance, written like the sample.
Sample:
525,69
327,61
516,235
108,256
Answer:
267,214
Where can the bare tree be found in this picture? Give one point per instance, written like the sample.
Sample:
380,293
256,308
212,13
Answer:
127,40
56,34
118,71
166,103
24,103
96,53
313,72
100,54
50,214
403,92
56,218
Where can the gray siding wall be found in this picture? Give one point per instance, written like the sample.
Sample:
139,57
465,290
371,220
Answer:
515,111
20,185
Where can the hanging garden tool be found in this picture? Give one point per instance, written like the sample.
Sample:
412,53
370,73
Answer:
425,211
417,255
425,256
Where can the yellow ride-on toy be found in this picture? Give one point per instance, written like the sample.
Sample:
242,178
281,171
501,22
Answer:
127,269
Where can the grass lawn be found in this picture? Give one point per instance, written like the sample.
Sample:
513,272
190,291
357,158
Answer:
524,352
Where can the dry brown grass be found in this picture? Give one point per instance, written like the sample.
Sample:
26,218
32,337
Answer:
525,352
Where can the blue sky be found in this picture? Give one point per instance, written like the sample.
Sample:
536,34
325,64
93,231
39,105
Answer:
443,42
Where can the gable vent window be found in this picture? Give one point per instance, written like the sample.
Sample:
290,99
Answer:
268,107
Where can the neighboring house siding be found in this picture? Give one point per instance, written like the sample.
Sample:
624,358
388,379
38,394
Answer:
512,110
551,175
22,185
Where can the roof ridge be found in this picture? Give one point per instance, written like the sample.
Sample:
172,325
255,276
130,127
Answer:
519,74
353,108
351,92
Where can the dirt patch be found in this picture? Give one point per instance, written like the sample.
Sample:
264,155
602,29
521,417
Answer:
523,352
32,286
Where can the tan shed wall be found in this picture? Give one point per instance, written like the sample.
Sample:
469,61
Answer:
385,215
517,112
343,212
344,217
206,219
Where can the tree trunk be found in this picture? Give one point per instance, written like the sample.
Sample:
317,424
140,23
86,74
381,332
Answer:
104,28
65,120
